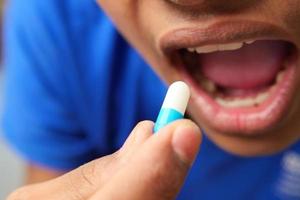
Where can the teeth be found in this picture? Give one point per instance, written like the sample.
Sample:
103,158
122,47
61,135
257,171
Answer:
208,85
279,76
218,47
207,49
261,97
191,50
230,47
250,41
250,101
246,102
236,103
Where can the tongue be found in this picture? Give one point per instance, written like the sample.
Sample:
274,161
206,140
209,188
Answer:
252,66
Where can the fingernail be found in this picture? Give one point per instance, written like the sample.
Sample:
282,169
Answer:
186,141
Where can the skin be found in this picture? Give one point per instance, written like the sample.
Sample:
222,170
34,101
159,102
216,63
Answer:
142,26
127,174
36,174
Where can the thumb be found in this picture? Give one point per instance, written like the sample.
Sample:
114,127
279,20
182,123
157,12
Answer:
158,169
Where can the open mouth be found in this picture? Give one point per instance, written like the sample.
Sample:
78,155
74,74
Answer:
238,75
240,87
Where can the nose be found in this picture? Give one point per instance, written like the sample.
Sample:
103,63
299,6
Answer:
186,2
216,5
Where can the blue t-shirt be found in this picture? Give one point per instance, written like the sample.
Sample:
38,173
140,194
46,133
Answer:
75,89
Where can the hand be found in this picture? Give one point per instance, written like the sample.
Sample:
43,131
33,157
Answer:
148,166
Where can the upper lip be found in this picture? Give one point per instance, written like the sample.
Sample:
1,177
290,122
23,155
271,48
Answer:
220,32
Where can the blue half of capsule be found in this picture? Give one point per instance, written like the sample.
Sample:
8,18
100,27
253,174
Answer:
166,116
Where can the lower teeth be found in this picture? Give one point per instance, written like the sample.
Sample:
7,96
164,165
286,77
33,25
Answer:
208,85
244,102
279,76
236,102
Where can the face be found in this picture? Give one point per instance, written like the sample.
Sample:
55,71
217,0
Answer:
240,58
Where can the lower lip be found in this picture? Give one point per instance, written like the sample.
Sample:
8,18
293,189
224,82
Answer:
250,120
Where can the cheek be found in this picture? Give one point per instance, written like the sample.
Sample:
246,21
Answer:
121,12
291,16
124,14
135,21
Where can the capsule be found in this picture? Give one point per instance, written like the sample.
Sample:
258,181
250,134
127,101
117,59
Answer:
174,105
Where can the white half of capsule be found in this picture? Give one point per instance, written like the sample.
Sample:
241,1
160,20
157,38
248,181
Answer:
177,97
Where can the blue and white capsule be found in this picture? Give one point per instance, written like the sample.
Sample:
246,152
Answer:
174,105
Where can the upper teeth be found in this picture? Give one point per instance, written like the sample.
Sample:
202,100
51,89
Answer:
219,47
